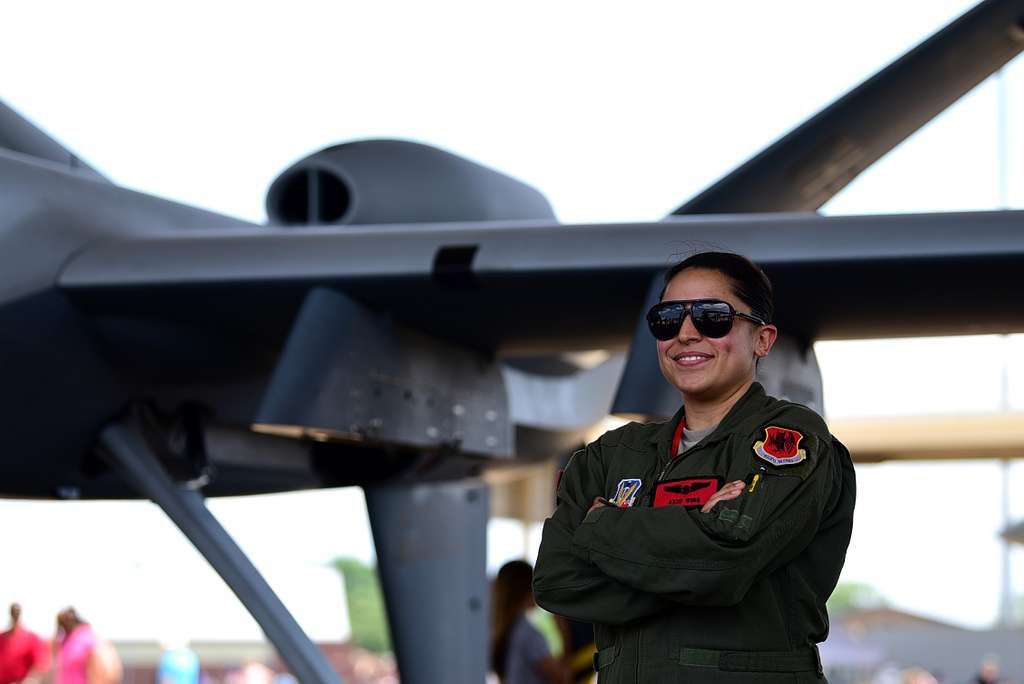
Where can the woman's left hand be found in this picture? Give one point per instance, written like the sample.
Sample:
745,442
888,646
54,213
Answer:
726,493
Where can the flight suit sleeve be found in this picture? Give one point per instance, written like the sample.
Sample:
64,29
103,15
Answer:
713,558
564,583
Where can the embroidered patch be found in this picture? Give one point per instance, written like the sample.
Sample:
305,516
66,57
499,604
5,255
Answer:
690,493
780,446
626,493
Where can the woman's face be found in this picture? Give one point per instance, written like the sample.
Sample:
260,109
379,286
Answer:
703,367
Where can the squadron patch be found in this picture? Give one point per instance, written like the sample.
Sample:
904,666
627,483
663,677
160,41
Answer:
690,493
780,446
626,493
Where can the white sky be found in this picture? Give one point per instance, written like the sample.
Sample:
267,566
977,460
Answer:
615,113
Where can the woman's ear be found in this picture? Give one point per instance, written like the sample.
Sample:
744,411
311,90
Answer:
765,340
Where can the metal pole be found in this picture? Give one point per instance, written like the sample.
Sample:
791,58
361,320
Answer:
139,465
1006,583
1002,126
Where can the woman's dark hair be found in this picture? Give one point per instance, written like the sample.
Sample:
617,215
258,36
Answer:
511,588
749,282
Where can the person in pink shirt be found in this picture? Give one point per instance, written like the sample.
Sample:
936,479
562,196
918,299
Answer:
82,657
23,655
74,644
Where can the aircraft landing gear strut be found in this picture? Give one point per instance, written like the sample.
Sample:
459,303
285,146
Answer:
431,540
134,458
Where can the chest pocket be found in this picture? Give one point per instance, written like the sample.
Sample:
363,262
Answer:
741,518
770,486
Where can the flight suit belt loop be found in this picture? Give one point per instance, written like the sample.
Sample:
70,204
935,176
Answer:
753,661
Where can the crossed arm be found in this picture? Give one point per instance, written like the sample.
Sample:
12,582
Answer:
602,564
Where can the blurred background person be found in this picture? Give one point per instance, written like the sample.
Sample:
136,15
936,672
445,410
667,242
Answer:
24,656
104,664
579,649
72,645
918,675
519,652
178,665
252,672
82,657
989,672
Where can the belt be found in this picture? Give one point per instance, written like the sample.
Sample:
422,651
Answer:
801,660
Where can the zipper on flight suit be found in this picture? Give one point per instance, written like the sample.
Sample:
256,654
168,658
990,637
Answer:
754,479
649,497
675,458
674,455
664,471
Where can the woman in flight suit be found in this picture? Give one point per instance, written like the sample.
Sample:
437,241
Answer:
704,548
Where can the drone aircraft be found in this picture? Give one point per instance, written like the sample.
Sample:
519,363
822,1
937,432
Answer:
408,318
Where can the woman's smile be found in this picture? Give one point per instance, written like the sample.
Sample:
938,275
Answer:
691,359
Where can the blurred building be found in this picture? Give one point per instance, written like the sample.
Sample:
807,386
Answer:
864,643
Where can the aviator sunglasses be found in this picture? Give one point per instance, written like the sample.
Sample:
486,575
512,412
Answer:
711,317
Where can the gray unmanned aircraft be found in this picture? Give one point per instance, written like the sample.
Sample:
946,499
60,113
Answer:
402,324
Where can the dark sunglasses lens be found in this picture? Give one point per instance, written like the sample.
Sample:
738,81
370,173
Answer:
664,320
712,319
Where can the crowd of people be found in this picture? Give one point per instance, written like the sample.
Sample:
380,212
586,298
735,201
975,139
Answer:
75,655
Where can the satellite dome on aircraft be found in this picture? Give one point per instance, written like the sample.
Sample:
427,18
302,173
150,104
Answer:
396,181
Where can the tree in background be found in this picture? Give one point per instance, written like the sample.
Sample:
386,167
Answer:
850,597
365,605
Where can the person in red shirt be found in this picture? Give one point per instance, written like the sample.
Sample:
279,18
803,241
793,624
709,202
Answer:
22,654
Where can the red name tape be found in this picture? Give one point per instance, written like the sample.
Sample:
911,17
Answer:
691,493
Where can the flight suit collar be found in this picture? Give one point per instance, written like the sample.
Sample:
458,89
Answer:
754,396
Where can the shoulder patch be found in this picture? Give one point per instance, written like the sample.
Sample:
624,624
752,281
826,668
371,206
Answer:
625,493
780,446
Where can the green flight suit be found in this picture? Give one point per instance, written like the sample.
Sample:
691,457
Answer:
676,595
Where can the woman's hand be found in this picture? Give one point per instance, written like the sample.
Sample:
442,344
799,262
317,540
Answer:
599,501
726,493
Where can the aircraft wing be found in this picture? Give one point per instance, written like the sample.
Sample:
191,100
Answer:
19,135
539,286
